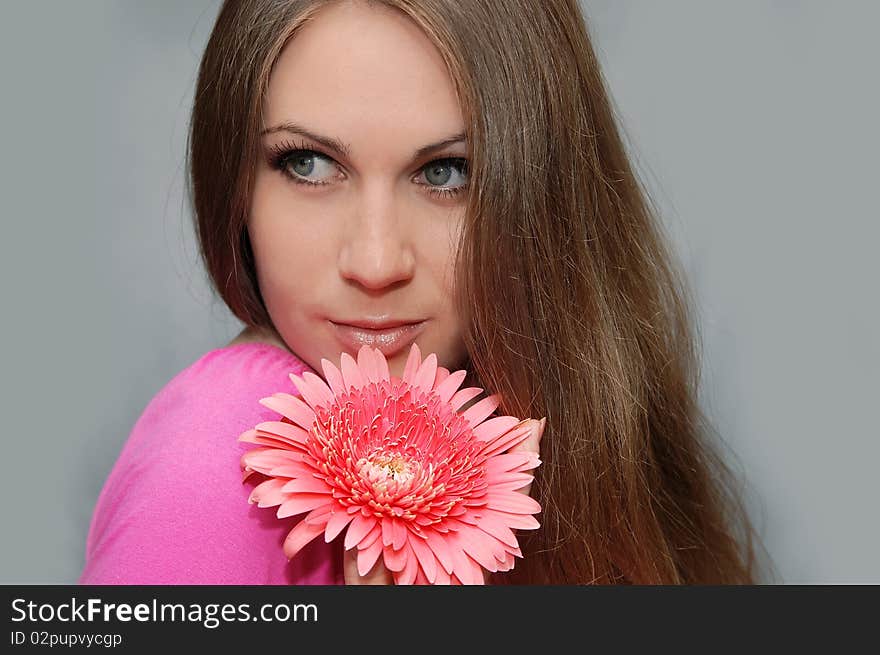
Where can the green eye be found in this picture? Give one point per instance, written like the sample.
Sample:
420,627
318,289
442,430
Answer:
439,173
298,164
445,177
303,169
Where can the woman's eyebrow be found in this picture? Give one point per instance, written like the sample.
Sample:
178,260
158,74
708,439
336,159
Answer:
340,148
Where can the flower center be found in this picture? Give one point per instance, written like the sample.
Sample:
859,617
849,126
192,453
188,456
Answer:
385,466
396,451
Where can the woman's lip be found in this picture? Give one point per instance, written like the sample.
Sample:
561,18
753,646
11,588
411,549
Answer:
388,341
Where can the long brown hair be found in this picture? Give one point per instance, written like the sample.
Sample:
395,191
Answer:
573,306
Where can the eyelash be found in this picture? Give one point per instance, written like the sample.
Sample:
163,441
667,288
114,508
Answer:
279,154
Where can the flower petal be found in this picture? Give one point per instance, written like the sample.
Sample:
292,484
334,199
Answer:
440,548
337,522
508,463
387,535
518,521
466,569
308,484
410,569
513,502
292,407
395,559
319,515
278,456
442,577
511,481
268,493
507,564
482,409
464,395
509,439
424,378
426,558
366,362
334,377
261,439
302,503
399,534
248,436
264,459
372,535
493,428
413,361
442,374
367,557
474,543
450,385
382,366
292,434
351,374
292,470
284,429
515,551
491,523
313,389
360,527
302,534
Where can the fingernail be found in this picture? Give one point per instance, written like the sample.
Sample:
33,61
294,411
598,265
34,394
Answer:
543,425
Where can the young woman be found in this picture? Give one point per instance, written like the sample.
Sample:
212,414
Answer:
448,173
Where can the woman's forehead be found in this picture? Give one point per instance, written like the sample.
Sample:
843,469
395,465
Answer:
364,74
363,54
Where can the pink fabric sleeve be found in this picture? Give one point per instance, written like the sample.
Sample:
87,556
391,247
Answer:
174,509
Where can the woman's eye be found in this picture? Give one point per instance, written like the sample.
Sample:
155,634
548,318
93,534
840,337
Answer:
446,176
305,166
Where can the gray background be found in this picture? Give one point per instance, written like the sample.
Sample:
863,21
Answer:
753,124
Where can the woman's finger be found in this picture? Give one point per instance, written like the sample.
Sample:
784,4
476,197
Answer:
532,444
377,575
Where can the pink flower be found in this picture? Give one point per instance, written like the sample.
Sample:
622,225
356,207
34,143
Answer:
394,464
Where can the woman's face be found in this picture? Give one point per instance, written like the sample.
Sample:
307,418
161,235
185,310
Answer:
366,229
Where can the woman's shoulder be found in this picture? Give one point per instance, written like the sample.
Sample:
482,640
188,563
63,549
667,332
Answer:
177,483
243,367
249,358
221,389
251,334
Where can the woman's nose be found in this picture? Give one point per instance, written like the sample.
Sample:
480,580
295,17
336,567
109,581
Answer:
376,249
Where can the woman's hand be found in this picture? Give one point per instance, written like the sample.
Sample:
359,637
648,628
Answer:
532,444
381,575
377,575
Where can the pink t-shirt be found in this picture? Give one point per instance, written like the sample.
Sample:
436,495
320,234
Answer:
174,509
